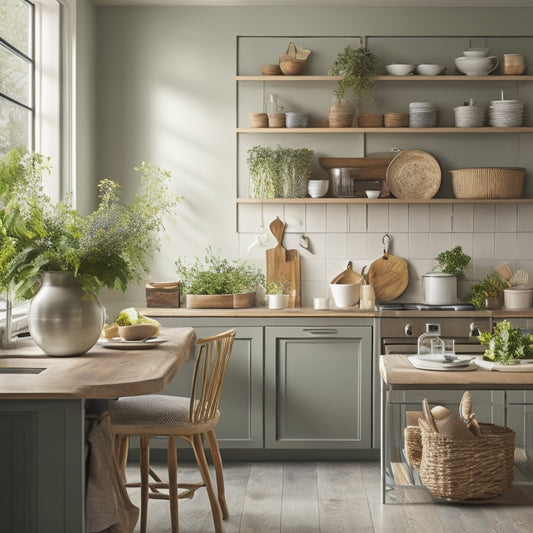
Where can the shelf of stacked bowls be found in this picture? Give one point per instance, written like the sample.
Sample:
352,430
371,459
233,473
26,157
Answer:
422,115
469,116
506,113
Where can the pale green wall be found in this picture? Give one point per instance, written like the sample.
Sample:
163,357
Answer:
166,94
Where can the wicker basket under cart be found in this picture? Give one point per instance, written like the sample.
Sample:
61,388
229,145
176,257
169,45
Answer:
463,469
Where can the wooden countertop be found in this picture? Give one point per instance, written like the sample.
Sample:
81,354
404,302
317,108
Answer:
298,312
101,373
397,372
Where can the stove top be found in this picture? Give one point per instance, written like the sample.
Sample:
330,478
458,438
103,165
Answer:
410,306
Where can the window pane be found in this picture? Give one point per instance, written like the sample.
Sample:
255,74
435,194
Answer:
16,75
15,123
15,24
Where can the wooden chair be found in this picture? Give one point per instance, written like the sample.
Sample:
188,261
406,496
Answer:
174,417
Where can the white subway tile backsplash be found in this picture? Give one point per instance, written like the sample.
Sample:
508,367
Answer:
317,244
315,218
505,247
482,267
398,217
249,218
374,245
400,245
356,243
312,269
440,218
418,217
271,211
418,245
463,217
524,246
506,217
439,242
336,246
525,217
295,218
313,289
249,247
483,246
357,217
484,218
336,219
377,217
465,241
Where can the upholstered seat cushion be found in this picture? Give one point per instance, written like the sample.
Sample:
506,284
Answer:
150,409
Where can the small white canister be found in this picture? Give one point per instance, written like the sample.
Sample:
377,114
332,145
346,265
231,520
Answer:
517,297
439,288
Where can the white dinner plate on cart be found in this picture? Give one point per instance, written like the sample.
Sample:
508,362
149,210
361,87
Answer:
437,362
117,343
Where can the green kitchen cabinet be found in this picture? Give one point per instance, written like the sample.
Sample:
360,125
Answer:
318,387
241,403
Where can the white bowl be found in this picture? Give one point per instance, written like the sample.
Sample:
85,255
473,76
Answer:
400,69
345,294
476,52
429,69
372,194
317,188
476,66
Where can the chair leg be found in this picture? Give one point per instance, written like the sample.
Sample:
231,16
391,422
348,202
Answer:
172,460
201,460
121,454
145,466
217,460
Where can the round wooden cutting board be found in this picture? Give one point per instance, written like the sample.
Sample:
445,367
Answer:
388,275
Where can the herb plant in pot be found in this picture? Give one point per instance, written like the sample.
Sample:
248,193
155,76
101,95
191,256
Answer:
487,294
61,259
216,282
278,292
279,172
440,288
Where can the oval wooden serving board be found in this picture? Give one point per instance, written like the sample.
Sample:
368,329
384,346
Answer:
389,277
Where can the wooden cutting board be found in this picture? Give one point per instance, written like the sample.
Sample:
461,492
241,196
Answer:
283,265
388,275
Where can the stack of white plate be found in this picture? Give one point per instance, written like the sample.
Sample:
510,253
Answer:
506,113
422,115
469,116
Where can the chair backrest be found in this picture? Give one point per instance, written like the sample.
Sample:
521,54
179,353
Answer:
208,377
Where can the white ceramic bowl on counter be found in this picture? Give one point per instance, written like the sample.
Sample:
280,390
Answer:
400,69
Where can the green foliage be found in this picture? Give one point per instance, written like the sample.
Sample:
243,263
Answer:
359,68
506,344
279,172
282,286
216,275
489,287
107,248
453,262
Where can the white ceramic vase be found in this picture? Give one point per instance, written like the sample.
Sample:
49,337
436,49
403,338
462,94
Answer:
62,319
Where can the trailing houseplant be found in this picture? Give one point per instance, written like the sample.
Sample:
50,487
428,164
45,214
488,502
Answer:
279,172
359,69
109,247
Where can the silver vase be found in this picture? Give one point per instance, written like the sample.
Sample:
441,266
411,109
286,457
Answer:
62,319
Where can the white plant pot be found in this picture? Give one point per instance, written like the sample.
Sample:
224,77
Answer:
345,294
278,301
439,288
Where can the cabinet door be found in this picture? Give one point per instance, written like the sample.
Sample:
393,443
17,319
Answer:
318,387
241,403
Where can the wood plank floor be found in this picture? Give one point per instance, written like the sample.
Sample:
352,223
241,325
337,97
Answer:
331,497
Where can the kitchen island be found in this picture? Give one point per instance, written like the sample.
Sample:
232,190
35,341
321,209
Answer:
43,424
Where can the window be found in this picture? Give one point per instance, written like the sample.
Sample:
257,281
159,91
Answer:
17,78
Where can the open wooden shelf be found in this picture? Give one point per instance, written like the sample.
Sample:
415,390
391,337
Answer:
442,129
415,77
384,201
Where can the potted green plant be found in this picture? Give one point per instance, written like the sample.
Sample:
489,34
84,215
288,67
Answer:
358,69
506,344
279,172
440,287
213,281
487,293
44,244
278,292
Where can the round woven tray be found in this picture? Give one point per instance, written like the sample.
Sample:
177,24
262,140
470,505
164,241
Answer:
414,174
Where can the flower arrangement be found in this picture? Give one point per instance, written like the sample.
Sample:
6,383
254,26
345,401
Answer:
109,248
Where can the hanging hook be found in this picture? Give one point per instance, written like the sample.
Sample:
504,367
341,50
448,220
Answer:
386,243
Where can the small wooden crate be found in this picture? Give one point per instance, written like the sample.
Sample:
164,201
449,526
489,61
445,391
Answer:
163,294
220,301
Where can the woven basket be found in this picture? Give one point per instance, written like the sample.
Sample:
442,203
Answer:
276,120
455,469
258,120
340,120
490,182
292,67
370,120
271,70
396,120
